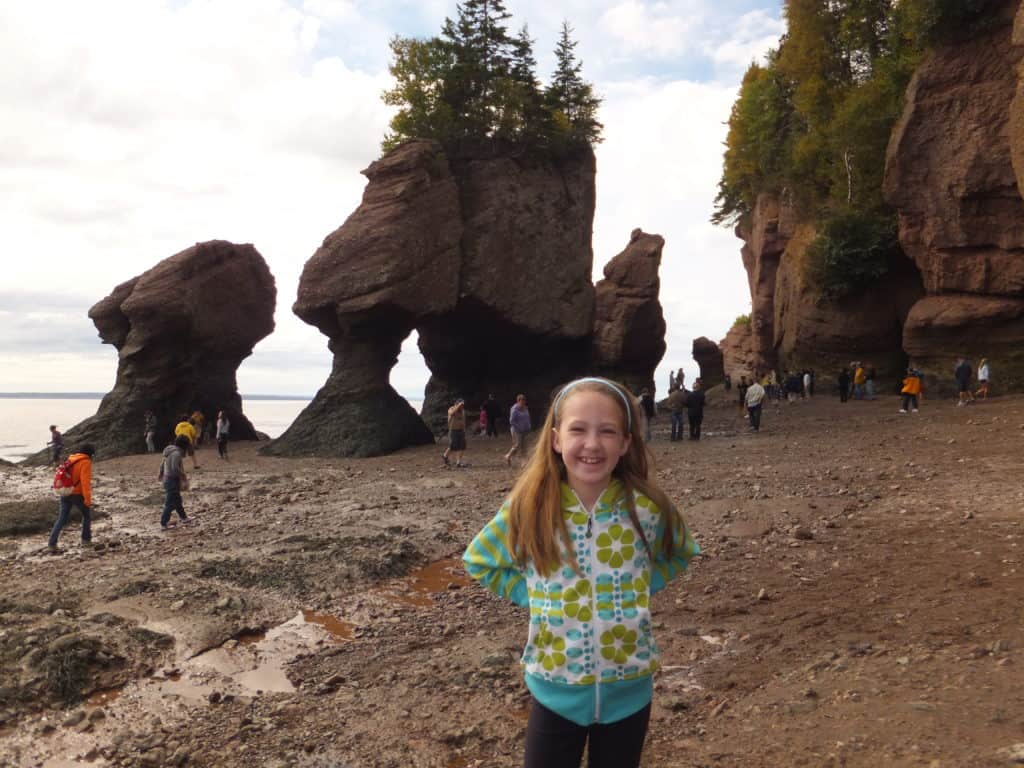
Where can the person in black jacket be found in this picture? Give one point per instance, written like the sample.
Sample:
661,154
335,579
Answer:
844,385
493,411
695,409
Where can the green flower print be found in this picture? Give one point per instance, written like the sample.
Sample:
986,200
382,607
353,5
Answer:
550,649
577,601
615,546
618,644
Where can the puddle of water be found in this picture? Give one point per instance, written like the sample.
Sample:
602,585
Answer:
340,631
417,589
104,697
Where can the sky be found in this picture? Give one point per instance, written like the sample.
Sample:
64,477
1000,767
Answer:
133,129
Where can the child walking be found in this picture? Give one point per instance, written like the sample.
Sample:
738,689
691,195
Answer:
911,390
584,540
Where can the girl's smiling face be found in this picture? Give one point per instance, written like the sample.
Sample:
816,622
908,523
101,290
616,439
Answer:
591,438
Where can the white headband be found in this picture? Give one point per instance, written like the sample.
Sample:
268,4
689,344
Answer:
597,380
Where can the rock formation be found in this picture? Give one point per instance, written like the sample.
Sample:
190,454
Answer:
709,358
950,172
791,326
629,329
181,330
487,255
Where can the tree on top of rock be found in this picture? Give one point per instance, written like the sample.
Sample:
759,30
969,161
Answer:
571,99
475,81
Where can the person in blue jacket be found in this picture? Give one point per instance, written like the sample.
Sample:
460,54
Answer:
584,540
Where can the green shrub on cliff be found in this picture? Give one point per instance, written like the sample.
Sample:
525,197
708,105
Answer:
476,81
851,252
812,124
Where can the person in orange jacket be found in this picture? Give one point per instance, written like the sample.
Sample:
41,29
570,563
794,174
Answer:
81,497
911,390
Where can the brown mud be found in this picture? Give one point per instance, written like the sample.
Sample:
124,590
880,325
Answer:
858,604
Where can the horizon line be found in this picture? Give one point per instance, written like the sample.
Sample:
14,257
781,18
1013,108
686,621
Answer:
101,395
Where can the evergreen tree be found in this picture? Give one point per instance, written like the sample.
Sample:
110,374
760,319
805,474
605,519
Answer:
570,98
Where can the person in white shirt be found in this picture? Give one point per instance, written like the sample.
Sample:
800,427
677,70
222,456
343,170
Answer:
754,401
982,379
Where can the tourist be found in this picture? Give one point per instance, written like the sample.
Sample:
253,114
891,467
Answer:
198,422
806,392
519,422
982,393
481,422
56,445
586,512
962,373
80,496
676,407
695,409
647,406
184,427
456,434
493,411
869,382
680,379
911,390
810,391
727,383
172,475
844,385
741,389
754,402
672,385
223,430
149,431
859,377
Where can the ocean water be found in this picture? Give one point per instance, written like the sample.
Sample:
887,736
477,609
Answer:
25,422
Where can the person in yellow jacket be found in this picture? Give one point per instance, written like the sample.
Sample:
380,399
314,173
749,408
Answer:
81,497
859,379
184,427
911,390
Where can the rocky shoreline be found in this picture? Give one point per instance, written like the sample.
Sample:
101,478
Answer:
857,605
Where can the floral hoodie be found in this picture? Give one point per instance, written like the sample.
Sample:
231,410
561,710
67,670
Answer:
590,654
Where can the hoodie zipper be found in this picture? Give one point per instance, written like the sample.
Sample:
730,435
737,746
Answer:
593,606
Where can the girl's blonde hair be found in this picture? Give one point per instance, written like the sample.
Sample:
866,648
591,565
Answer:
536,520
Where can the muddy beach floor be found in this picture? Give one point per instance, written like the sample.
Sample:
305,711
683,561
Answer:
860,603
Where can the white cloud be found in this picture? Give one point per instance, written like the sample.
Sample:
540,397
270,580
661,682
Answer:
650,29
135,128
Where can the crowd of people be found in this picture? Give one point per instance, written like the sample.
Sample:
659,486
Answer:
189,433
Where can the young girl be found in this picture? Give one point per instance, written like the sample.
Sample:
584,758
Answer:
583,541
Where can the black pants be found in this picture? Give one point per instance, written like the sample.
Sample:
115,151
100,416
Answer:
222,446
492,428
695,417
844,394
755,417
554,742
909,402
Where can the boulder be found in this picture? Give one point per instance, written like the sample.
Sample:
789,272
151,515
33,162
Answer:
952,170
181,330
485,253
629,328
709,358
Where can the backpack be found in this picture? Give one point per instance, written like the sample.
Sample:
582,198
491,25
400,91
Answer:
63,483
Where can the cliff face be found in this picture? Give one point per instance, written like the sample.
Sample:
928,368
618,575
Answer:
953,168
181,330
487,255
791,327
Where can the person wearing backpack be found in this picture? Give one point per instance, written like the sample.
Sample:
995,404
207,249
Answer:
80,466
172,474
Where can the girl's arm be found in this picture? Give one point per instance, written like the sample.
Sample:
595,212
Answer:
489,561
665,568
